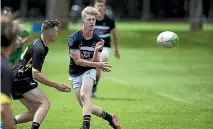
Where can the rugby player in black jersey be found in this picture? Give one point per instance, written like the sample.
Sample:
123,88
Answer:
28,70
84,48
105,26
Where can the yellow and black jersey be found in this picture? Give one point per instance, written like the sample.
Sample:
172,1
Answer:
33,57
4,99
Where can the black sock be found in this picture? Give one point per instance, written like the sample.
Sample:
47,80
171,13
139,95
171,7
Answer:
106,116
95,86
35,125
15,121
86,121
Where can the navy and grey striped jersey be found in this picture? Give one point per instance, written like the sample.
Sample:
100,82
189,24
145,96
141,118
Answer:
86,48
103,28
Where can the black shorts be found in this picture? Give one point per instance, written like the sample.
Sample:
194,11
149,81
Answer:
22,86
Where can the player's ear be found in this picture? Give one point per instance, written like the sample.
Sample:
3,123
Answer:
50,34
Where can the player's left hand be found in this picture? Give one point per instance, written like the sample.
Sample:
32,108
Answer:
63,87
117,54
99,45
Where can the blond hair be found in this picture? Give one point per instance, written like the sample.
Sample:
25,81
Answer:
101,1
89,10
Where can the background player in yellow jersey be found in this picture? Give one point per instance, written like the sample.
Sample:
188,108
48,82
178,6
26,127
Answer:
8,43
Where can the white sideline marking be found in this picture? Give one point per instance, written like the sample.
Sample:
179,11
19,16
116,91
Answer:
173,97
119,81
122,82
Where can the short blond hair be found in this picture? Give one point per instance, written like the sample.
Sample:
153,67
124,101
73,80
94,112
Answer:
101,1
89,10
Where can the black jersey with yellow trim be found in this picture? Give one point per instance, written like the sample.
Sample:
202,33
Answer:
32,57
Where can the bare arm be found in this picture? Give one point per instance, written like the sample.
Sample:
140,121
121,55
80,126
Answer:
98,49
7,116
96,56
115,38
24,40
75,54
42,78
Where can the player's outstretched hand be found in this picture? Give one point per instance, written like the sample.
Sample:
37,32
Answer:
104,66
99,45
117,54
63,87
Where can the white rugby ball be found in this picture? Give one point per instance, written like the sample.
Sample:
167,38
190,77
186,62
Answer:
167,39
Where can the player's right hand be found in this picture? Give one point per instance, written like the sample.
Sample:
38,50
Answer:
104,66
63,87
99,45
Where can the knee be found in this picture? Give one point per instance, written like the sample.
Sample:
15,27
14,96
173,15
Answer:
83,96
45,103
32,111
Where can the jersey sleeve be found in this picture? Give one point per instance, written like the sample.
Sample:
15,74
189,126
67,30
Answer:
73,42
38,58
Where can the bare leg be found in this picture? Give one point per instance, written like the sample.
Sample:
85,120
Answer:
7,116
38,97
103,58
29,115
96,110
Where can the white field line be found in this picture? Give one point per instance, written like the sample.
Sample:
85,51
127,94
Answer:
119,81
175,98
169,96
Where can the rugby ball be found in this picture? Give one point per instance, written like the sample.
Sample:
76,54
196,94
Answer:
168,39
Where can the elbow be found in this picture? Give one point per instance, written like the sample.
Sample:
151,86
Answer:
77,62
35,73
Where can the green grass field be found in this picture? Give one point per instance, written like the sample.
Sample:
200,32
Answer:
150,87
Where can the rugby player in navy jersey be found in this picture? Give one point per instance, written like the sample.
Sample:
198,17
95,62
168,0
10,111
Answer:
84,49
28,70
103,28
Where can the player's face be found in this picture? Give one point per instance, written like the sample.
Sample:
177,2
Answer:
54,34
101,7
89,22
7,13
